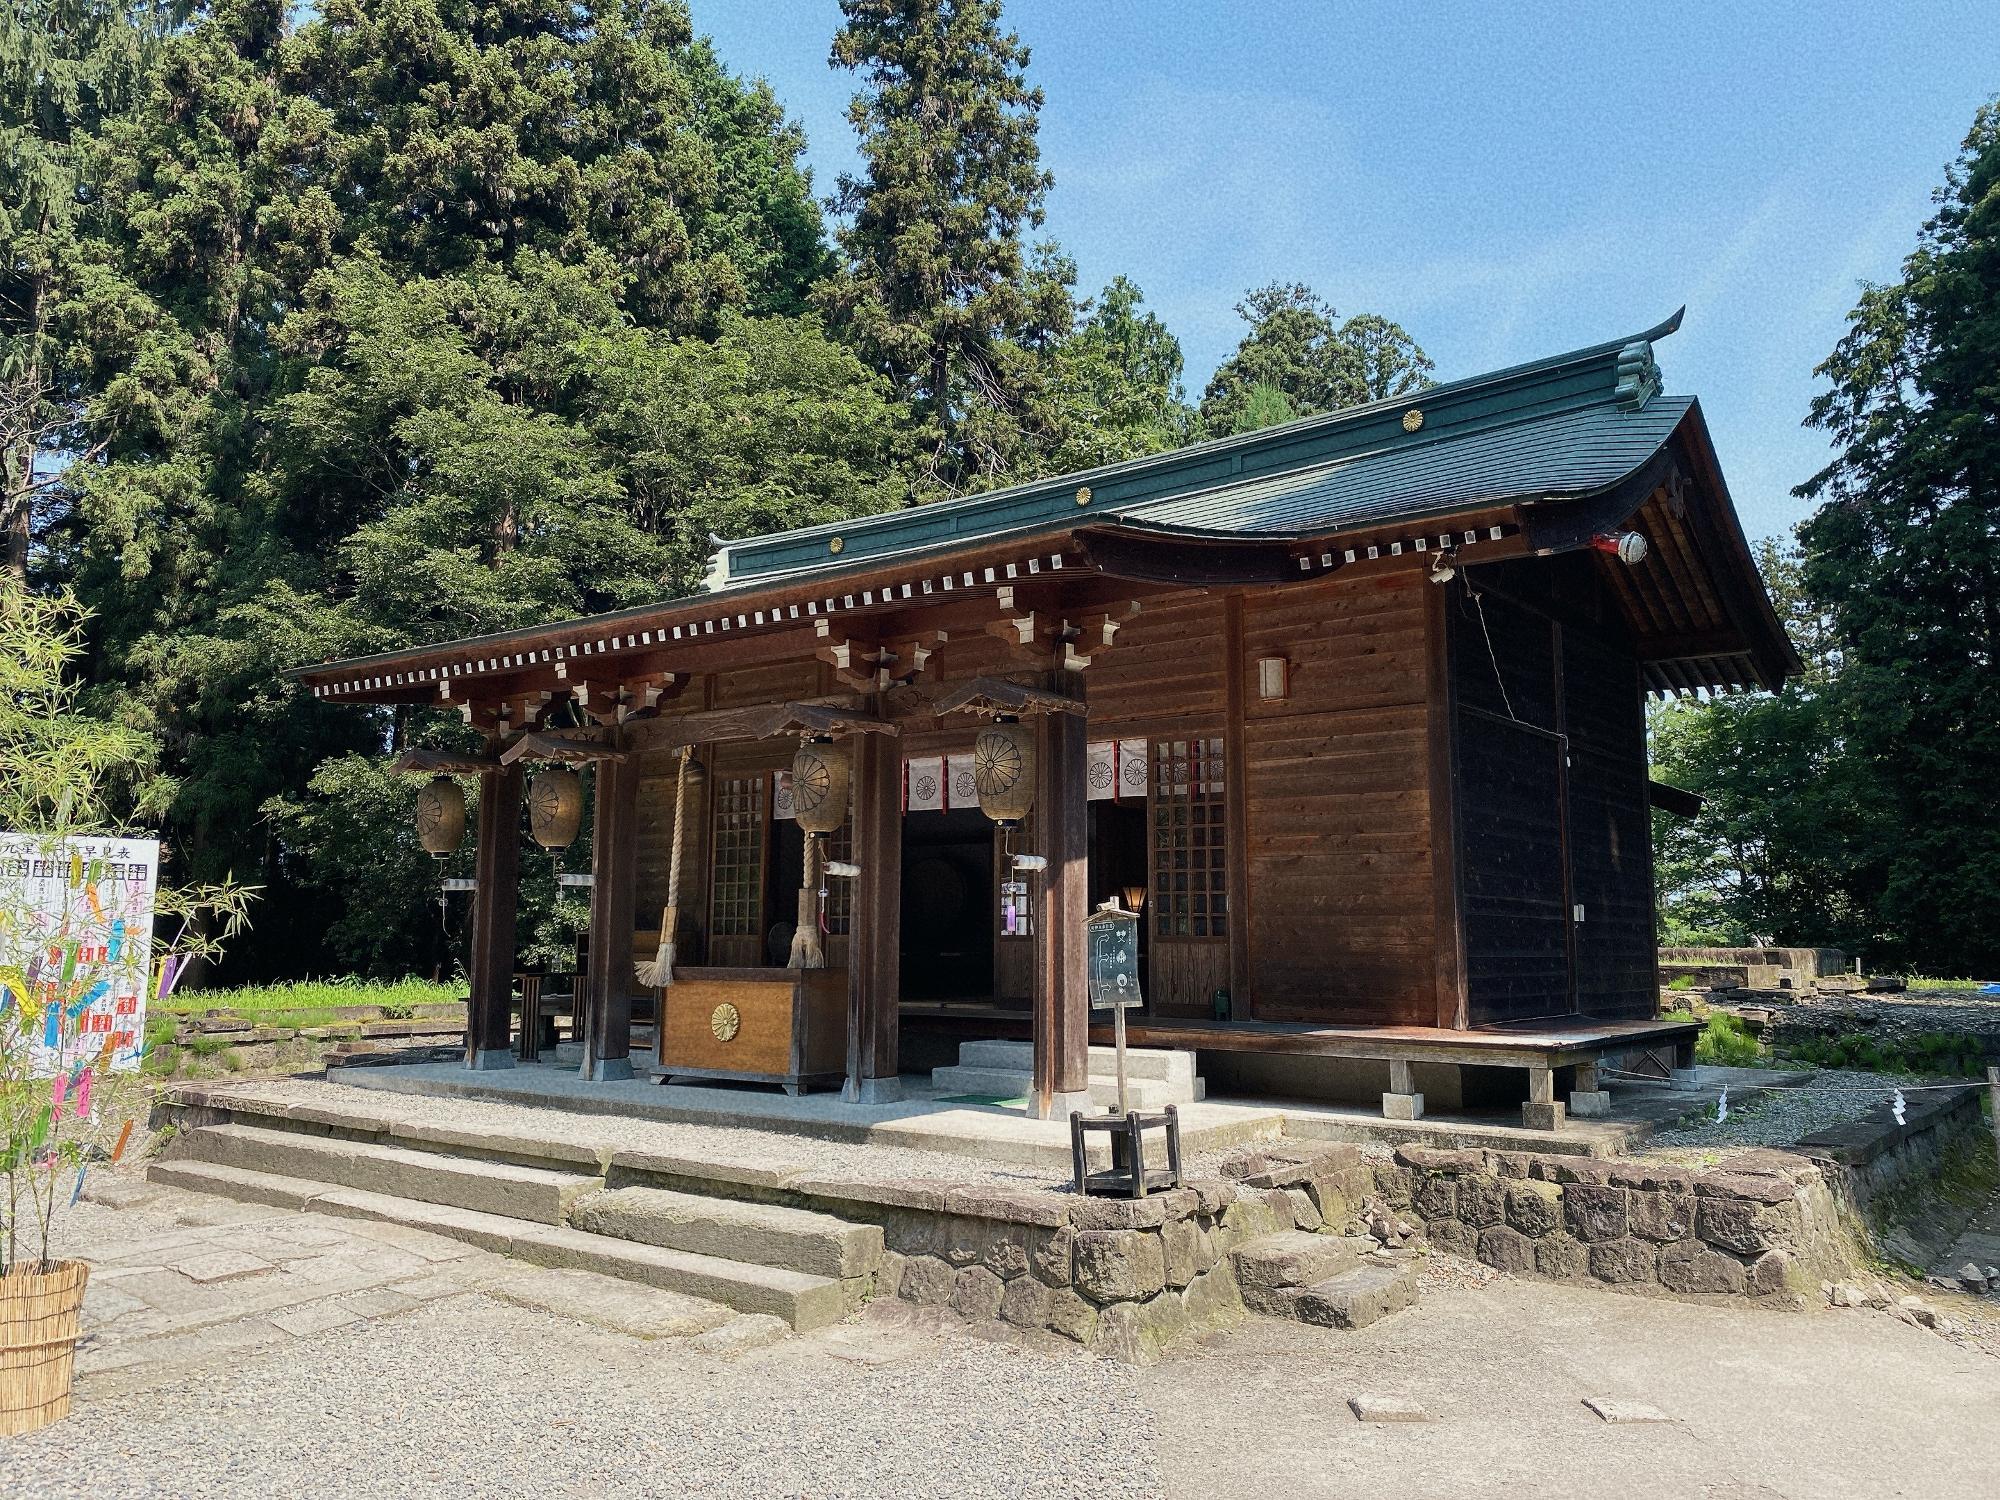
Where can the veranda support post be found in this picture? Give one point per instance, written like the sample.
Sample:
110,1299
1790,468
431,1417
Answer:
494,901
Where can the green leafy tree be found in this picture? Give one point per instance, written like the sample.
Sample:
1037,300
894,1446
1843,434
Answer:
936,288
1779,845
417,321
1298,346
1904,554
1113,387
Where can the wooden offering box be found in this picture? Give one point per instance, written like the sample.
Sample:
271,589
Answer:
783,1026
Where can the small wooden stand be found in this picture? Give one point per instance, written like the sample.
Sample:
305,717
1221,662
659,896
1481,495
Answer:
1128,1177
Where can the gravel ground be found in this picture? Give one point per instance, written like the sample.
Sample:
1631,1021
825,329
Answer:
533,1405
1783,1116
725,1145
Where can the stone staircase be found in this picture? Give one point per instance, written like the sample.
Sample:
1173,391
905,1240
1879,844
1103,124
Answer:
806,1267
1005,1070
1337,1281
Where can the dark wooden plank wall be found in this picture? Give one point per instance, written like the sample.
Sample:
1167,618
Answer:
1611,852
1540,664
1336,826
1510,808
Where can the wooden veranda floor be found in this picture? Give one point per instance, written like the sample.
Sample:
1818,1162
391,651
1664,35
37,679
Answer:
1551,1043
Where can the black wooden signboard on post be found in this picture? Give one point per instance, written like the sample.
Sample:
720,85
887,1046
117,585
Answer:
1114,958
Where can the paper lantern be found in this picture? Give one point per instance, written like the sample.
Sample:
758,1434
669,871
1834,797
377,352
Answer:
555,807
1003,770
821,774
441,816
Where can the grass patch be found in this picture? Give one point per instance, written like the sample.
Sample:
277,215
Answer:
1944,1054
1681,982
312,1002
1916,983
1725,1042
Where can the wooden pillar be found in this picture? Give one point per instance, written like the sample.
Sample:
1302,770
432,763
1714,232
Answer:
494,899
1236,811
1062,902
614,857
1441,736
875,939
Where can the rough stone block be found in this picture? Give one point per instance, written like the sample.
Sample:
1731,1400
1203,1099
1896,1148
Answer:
960,1240
1357,1298
1626,1260
1665,1214
1051,1255
889,1275
976,1293
1010,1206
927,1281
1451,1237
1507,1250
1250,1217
1212,1300
1481,1201
1119,1213
1755,1187
1731,1223
1305,1213
1071,1315
1436,1198
1586,1104
1119,1265
1025,1303
1769,1273
1292,1258
1534,1208
1212,1195
1692,1267
1005,1253
1393,1184
1561,1257
1178,1241
1594,1214
1120,1335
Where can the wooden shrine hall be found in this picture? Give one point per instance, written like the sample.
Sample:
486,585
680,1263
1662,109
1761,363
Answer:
1349,710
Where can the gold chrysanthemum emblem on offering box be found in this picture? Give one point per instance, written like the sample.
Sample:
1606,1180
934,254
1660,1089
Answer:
725,1021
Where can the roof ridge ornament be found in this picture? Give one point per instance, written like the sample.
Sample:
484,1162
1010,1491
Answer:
1639,379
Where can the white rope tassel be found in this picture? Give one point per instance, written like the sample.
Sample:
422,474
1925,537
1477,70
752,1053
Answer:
660,972
1896,1106
1722,1107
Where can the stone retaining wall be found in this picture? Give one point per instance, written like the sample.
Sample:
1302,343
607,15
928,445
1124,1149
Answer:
1122,1277
1764,1225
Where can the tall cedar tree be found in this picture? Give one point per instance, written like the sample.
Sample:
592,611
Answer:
1298,349
427,319
936,289
66,67
1904,553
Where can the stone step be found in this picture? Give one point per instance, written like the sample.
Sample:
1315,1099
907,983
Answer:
768,1234
804,1301
1000,1083
1162,1064
1295,1258
1353,1298
537,1194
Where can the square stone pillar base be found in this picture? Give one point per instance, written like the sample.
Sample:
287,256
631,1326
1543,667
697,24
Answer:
1547,1116
609,1070
1686,1078
872,1090
1062,1106
1402,1106
1588,1103
489,1059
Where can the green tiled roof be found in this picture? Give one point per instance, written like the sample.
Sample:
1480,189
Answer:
1568,425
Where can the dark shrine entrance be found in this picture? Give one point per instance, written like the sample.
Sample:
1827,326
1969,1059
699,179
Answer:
948,907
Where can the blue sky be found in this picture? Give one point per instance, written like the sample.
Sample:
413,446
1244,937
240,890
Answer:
1506,181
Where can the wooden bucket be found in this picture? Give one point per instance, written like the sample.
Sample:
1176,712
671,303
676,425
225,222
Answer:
40,1318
